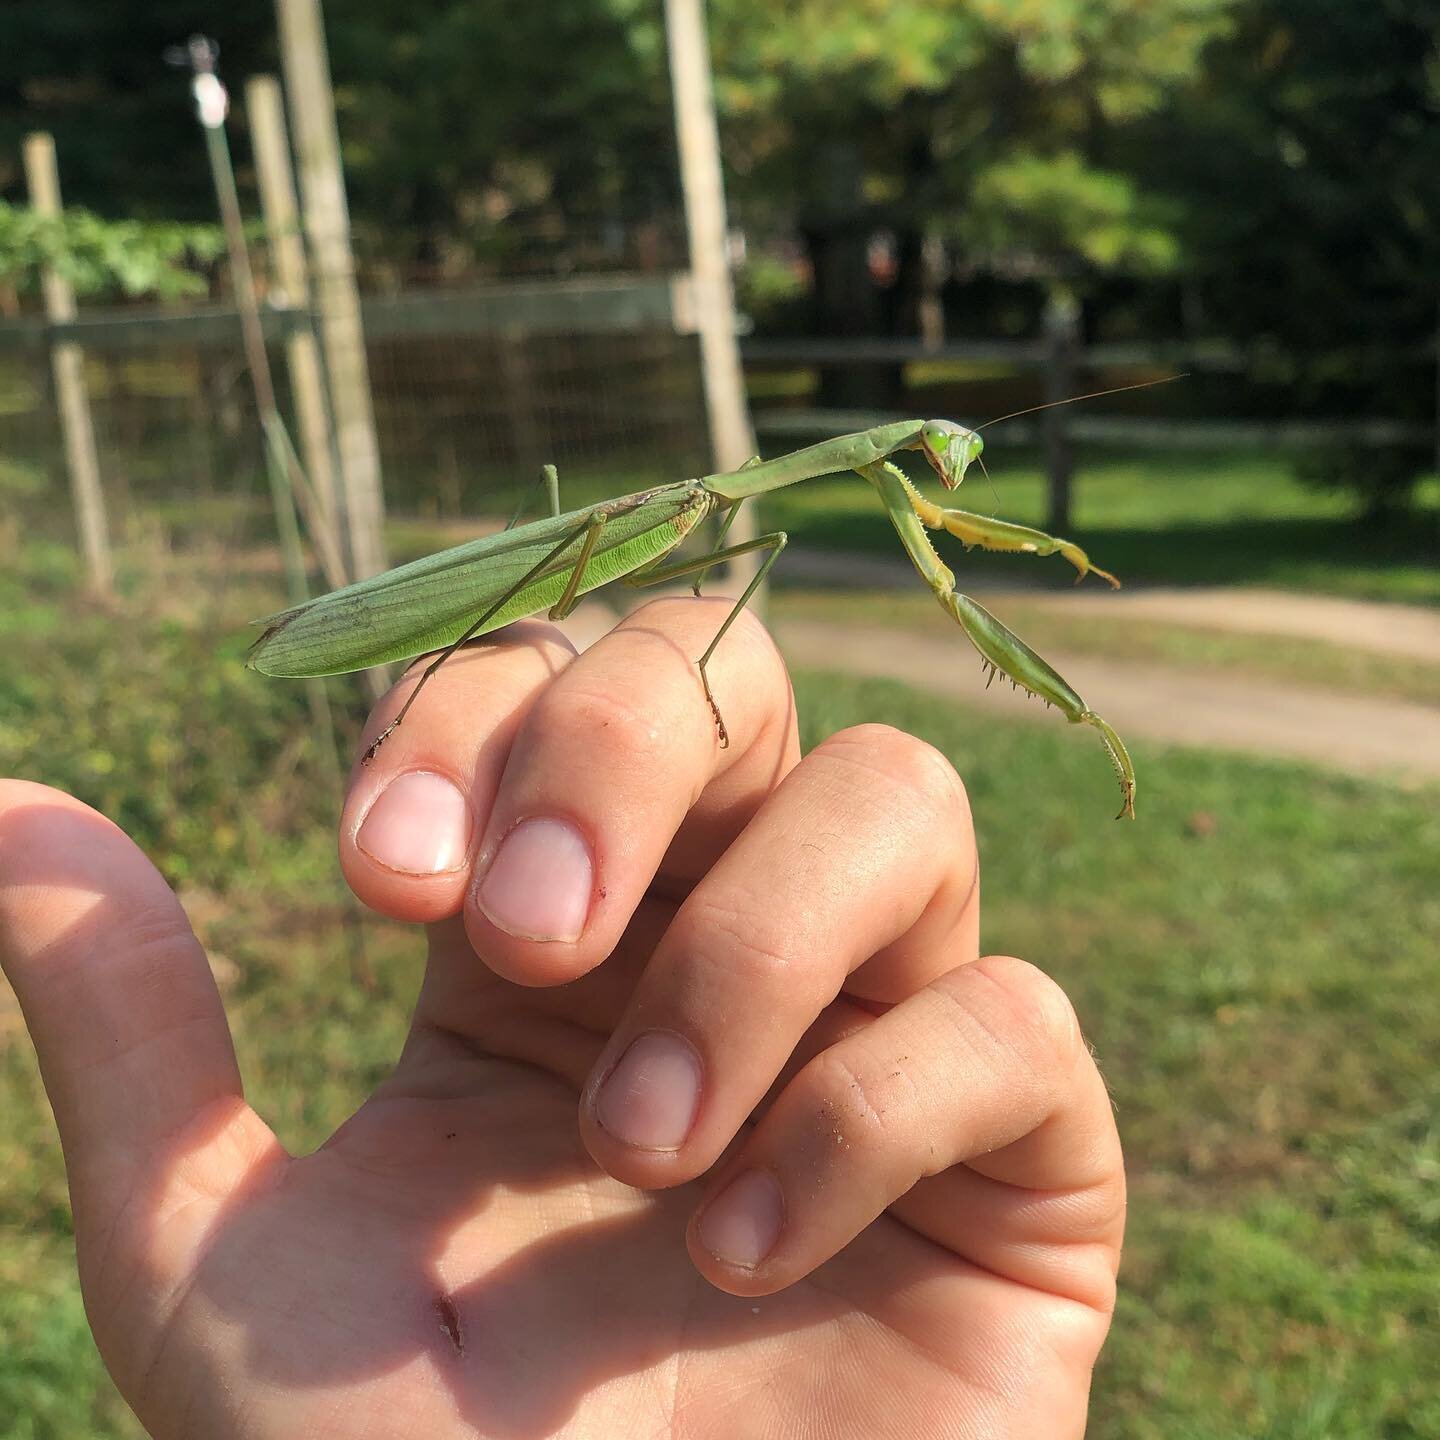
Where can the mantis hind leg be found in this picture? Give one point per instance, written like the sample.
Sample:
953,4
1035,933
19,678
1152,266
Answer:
774,542
551,477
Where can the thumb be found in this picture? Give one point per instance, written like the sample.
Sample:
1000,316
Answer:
131,1037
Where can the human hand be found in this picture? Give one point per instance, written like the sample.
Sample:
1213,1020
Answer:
876,1189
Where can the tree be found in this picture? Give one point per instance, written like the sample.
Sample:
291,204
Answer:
97,256
1306,176
988,123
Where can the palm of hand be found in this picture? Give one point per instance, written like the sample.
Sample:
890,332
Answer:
932,1185
454,1254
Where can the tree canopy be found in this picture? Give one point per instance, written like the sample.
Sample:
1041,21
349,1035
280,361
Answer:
1278,161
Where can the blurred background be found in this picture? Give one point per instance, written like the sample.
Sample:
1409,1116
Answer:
469,237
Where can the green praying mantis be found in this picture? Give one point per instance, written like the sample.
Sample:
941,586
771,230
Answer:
442,601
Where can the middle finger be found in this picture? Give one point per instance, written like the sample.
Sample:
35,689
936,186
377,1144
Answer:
616,772
859,873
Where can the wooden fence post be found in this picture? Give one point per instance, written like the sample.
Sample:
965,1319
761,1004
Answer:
265,112
712,294
1062,335
327,226
67,361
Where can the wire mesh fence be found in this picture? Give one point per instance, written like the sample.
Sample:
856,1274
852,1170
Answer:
473,386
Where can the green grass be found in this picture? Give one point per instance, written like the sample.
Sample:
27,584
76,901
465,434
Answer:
1161,518
1253,961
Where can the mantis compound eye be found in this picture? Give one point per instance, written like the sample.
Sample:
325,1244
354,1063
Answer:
949,448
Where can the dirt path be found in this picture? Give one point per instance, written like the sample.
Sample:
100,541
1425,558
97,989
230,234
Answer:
1407,630
1396,739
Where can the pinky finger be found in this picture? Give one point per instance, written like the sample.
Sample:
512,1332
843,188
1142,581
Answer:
972,1110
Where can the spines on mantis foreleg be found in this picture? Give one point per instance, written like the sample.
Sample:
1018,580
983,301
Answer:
1120,759
1004,652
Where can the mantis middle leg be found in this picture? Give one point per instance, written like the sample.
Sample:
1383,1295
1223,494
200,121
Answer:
657,575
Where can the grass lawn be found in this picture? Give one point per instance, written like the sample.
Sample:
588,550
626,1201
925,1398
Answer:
1169,517
1253,961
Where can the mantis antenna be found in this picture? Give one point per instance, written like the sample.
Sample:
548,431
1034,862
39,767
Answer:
988,480
1093,395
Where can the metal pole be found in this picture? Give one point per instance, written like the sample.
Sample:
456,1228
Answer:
289,486
211,104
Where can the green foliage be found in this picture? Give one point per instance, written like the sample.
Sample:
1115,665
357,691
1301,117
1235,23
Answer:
1058,211
97,256
114,713
52,1386
1308,166
1382,480
984,122
450,153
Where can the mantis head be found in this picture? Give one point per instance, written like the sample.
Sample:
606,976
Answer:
949,448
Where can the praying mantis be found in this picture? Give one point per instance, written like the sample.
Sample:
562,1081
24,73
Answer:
442,601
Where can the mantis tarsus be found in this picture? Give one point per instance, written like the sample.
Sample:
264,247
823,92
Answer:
443,600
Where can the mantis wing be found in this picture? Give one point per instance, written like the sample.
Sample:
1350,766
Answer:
431,602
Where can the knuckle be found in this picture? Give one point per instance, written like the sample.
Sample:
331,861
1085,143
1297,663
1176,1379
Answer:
602,718
696,617
854,1114
739,938
1023,1013
900,759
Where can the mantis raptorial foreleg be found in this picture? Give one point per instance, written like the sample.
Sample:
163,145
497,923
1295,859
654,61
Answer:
657,575
990,534
591,532
1000,648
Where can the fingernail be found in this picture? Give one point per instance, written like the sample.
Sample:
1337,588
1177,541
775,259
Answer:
539,883
650,1098
743,1222
420,825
